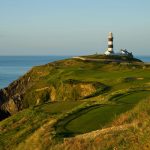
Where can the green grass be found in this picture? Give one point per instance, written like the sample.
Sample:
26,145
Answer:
59,107
17,128
99,117
95,119
129,131
132,97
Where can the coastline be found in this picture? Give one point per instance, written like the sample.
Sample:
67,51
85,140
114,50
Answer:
12,67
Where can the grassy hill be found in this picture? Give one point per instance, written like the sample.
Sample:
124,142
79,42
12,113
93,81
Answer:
75,97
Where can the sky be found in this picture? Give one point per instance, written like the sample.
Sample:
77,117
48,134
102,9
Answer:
73,27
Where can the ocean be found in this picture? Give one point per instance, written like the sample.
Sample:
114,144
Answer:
12,67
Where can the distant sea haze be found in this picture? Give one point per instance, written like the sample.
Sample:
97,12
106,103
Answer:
12,67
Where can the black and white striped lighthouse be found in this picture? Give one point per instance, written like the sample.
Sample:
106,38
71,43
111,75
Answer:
110,44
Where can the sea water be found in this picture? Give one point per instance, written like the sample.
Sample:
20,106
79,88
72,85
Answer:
12,67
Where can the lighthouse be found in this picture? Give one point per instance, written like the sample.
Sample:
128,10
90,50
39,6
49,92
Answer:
110,44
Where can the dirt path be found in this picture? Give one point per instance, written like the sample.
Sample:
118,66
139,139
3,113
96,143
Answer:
99,60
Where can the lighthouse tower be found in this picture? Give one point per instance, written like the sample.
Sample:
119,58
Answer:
110,44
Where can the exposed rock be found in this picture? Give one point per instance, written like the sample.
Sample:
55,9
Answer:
11,97
10,106
53,94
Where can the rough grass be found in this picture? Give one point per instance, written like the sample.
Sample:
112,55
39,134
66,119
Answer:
129,131
19,127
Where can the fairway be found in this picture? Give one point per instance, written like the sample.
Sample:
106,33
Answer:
59,107
99,116
132,98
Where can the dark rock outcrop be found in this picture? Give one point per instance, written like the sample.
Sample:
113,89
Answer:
3,115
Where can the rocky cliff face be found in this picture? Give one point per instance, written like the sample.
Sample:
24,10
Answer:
14,98
11,97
